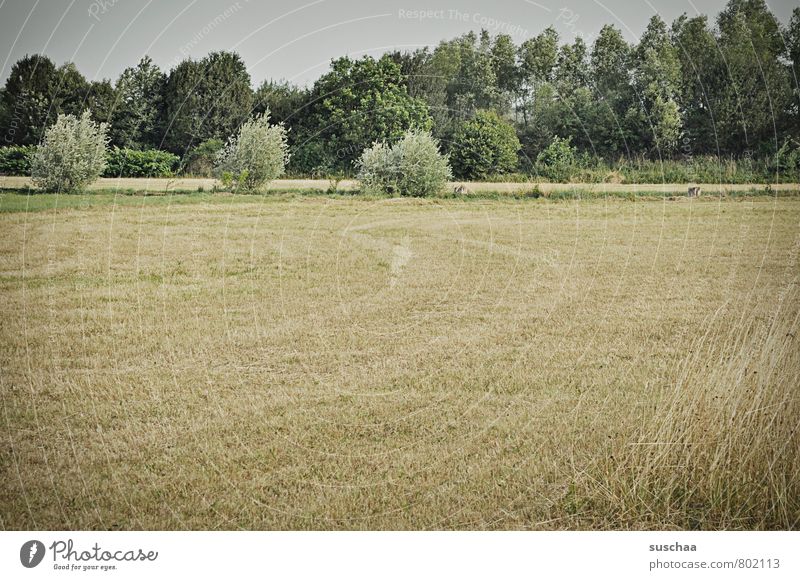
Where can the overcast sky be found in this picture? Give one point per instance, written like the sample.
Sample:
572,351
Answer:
282,39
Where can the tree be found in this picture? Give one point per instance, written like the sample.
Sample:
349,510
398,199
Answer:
538,105
474,85
257,154
414,70
205,99
483,146
611,84
138,104
69,91
655,120
575,99
572,70
183,107
539,56
228,94
793,43
355,104
101,100
27,100
428,78
701,82
506,72
412,166
791,120
757,87
460,76
285,101
557,160
71,155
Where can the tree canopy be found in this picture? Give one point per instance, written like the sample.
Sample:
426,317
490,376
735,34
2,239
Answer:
726,86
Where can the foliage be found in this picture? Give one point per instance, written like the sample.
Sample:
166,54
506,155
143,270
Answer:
356,103
199,161
284,101
101,101
756,85
696,88
139,93
655,118
136,163
787,160
71,155
257,154
26,100
484,145
16,159
69,89
413,166
557,160
205,99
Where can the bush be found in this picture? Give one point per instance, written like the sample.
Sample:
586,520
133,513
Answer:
16,159
256,155
786,160
558,160
484,145
72,154
413,166
135,163
199,161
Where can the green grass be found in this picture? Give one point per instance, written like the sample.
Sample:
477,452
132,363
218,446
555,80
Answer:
27,201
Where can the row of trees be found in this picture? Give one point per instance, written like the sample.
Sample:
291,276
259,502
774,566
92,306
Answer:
688,89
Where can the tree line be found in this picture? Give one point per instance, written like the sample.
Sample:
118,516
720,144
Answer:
683,91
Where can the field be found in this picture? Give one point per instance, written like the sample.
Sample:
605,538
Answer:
296,362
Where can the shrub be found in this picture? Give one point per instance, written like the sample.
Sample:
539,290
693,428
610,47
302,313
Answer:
135,163
558,160
16,159
786,160
484,145
199,161
413,166
72,154
256,155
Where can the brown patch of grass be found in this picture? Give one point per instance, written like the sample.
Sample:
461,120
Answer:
273,363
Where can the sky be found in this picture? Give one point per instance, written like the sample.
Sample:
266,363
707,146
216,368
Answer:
295,41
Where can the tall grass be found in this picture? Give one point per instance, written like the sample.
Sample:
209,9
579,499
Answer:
723,449
638,169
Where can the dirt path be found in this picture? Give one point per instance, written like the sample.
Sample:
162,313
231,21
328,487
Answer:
193,184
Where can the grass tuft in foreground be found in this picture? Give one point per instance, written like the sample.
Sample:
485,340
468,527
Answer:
722,450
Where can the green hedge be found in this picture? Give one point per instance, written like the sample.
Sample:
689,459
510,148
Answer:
16,160
134,163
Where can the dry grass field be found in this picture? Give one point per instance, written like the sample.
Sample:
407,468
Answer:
301,362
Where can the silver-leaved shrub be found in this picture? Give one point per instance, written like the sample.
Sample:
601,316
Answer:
412,166
72,154
257,154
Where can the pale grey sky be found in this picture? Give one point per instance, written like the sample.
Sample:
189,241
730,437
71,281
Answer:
296,40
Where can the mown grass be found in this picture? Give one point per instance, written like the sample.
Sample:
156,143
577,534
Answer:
334,362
